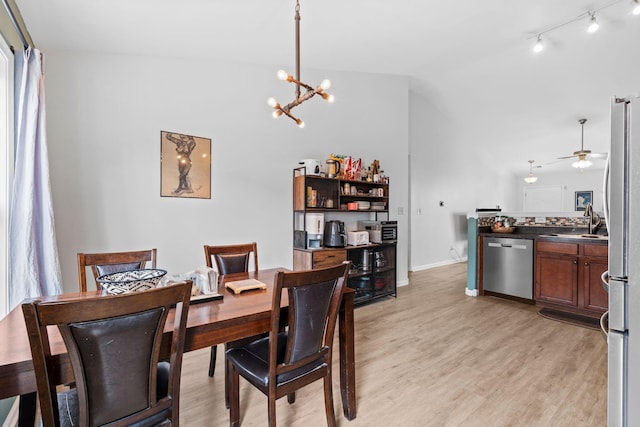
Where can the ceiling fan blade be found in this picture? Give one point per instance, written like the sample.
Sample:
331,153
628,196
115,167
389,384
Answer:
566,157
598,155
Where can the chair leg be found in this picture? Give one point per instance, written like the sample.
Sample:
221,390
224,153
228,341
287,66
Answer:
234,397
212,361
328,401
272,411
227,385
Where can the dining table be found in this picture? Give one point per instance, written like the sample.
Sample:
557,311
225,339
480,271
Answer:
210,322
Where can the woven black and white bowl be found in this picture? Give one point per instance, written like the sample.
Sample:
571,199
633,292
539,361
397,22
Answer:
131,280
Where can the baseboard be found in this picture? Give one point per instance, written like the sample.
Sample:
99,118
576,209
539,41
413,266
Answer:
402,283
438,264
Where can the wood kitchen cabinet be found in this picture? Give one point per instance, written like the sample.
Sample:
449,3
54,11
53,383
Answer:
567,277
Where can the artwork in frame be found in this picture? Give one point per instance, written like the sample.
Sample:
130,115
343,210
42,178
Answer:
185,166
583,198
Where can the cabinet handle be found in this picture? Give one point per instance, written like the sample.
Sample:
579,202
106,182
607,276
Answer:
575,261
586,263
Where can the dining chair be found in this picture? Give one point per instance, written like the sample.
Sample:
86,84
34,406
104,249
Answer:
285,361
229,259
113,343
112,262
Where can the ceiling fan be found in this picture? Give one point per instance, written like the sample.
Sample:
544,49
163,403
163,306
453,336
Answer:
583,154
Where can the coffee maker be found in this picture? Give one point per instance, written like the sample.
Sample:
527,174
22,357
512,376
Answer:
334,234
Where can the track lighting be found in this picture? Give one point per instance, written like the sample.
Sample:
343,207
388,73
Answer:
593,24
321,89
539,46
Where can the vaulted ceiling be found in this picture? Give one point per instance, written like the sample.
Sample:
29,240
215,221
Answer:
471,58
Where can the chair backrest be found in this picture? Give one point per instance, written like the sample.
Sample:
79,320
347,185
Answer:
314,299
113,343
231,259
112,262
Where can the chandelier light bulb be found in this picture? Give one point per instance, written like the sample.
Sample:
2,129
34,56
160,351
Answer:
593,24
276,114
272,102
331,99
283,75
636,7
300,123
326,84
539,46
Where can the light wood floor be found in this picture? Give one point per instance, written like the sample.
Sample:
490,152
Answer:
435,357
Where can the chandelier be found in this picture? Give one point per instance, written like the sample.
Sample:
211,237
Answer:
321,89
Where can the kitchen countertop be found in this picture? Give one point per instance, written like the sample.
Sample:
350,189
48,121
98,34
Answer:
559,234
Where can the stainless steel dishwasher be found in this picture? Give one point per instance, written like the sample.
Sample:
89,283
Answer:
507,266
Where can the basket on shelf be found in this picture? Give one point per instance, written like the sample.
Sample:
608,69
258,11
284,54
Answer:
131,281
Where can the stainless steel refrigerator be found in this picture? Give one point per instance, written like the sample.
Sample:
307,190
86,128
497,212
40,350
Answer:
622,212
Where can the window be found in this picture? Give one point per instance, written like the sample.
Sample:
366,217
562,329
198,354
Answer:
6,167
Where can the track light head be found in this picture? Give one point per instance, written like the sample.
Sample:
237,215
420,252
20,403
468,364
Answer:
539,46
593,24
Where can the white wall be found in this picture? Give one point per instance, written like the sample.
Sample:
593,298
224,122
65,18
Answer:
571,180
105,114
449,164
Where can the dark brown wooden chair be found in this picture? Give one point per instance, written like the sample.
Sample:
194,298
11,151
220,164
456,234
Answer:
283,362
229,259
113,343
112,262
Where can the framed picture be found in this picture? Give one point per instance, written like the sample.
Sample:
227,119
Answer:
583,198
185,166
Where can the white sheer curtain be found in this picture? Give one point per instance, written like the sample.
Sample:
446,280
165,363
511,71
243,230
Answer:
34,268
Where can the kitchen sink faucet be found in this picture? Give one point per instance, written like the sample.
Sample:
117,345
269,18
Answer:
593,225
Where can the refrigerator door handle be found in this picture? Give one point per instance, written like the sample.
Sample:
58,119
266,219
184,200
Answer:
605,191
605,281
604,320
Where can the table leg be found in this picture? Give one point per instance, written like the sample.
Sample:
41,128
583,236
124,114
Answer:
347,357
27,410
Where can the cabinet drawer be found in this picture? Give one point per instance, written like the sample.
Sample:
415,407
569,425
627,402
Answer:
596,250
322,259
558,248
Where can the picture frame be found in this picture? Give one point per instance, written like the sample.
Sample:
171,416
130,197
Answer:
583,198
185,166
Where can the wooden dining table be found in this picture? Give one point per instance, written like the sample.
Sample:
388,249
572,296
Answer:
209,323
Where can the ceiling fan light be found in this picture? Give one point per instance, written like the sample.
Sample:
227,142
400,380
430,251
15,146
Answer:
530,179
636,7
581,164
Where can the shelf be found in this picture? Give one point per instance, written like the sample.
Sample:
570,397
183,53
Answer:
317,191
341,210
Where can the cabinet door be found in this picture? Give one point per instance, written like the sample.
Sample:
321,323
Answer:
557,279
595,297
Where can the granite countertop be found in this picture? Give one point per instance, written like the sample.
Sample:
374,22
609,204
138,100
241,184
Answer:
563,234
